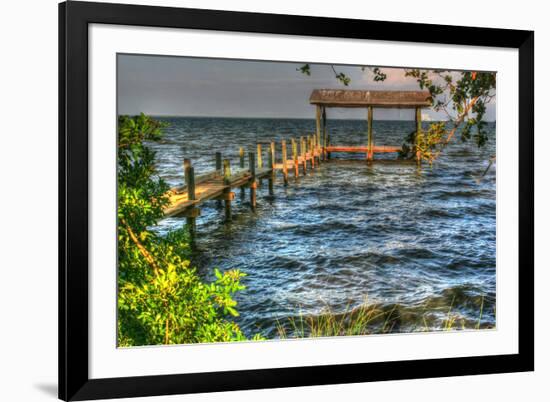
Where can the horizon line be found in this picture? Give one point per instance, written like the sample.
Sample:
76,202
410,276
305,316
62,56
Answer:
270,117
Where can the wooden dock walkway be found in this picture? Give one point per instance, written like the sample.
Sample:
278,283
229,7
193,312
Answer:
218,184
211,186
303,154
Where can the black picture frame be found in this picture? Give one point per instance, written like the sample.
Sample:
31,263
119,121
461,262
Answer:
74,18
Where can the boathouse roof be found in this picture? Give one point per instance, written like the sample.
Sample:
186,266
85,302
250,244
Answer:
364,98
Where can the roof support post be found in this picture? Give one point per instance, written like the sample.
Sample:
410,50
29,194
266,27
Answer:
370,153
318,112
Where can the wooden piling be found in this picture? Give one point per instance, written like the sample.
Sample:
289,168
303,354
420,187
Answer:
285,167
241,165
324,144
219,171
271,156
418,119
311,151
260,162
313,148
318,150
308,147
186,164
190,181
259,155
252,167
271,164
227,191
369,134
303,154
295,156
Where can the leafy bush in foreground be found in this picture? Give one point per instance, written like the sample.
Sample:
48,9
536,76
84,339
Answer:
161,299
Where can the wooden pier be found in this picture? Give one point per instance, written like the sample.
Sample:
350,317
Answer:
297,156
207,187
219,184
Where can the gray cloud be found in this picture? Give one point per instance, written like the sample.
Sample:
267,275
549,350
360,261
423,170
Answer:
183,86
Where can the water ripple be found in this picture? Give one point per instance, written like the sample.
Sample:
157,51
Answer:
410,240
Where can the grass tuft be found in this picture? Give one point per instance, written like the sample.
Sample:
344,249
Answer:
371,318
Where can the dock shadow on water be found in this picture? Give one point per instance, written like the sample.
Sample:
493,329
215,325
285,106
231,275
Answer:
351,248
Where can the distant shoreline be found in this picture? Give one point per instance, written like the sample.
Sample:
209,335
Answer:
281,118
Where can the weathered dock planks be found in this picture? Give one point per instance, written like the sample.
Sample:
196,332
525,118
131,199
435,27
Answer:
212,186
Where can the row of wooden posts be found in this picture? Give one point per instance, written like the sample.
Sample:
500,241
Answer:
302,151
305,153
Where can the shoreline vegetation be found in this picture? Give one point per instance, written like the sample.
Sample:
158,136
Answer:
377,319
162,299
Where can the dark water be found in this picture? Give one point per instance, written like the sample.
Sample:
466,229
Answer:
423,240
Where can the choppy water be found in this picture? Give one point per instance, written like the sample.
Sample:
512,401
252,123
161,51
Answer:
423,240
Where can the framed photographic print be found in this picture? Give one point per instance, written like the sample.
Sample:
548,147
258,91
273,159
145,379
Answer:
257,200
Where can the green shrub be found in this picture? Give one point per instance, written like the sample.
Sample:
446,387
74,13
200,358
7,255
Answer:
161,299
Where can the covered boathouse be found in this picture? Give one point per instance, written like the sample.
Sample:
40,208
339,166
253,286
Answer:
346,98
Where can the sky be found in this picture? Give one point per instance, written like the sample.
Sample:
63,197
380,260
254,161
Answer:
184,86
